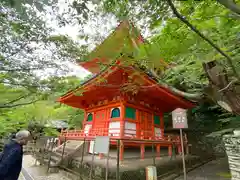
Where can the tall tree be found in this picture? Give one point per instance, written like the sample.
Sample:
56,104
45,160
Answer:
29,52
199,37
38,114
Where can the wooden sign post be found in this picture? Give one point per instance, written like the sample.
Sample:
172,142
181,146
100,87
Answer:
179,117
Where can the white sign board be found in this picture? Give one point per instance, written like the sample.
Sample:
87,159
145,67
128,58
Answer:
151,173
102,144
179,117
92,147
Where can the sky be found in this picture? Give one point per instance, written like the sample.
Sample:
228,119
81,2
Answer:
96,27
73,30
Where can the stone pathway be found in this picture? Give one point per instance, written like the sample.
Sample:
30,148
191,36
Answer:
21,177
32,172
214,170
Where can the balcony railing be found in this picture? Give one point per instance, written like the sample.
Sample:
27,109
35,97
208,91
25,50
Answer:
115,133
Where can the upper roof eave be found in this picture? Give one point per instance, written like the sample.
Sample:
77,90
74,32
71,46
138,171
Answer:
109,48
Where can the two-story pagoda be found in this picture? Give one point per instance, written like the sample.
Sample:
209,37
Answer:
111,111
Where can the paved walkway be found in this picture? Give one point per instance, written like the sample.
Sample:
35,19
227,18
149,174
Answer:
32,172
214,170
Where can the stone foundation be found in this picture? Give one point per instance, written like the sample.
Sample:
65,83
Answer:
232,145
99,171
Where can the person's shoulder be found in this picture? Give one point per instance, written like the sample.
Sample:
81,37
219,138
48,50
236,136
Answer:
15,151
13,146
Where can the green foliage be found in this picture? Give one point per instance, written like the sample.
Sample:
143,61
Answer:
51,132
28,50
34,116
68,47
24,34
19,4
174,42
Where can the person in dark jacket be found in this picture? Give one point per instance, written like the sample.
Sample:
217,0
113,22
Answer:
11,158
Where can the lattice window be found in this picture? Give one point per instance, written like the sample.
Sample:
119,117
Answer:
130,113
115,113
90,117
157,120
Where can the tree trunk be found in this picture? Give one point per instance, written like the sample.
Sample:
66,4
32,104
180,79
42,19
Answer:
229,4
223,90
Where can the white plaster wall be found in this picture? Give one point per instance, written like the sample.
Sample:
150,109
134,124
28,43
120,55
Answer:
130,129
158,132
114,128
87,128
91,147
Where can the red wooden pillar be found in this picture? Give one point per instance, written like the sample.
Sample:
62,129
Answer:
187,149
138,127
170,150
122,129
153,128
179,148
142,146
104,131
121,156
122,122
142,151
84,119
169,147
162,124
158,151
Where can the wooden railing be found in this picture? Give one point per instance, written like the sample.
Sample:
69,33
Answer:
115,134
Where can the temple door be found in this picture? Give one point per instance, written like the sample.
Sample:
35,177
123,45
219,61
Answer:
141,124
100,124
148,125
145,124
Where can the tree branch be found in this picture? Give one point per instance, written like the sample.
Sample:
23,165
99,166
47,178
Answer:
194,29
22,46
29,68
26,85
20,84
17,99
20,104
229,84
192,96
229,4
20,69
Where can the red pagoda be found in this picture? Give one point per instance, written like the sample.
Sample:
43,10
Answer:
110,111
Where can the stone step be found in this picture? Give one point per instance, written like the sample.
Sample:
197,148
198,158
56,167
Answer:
57,154
65,152
55,160
73,143
69,148
66,149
